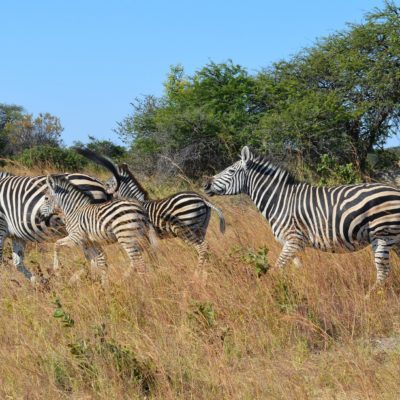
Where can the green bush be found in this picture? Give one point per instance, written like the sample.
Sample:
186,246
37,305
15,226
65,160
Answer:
59,158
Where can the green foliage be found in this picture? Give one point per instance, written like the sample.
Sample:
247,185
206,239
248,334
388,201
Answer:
202,313
258,259
9,115
332,173
104,147
60,313
52,157
88,350
202,117
340,97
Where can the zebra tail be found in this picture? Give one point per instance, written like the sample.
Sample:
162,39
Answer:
101,160
220,215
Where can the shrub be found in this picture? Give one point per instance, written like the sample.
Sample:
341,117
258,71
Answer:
52,157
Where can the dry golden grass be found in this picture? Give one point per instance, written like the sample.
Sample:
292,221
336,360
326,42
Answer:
305,333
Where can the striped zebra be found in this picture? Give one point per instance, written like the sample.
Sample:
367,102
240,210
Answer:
185,214
333,219
90,225
20,219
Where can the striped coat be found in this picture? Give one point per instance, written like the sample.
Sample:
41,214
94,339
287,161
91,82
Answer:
333,219
20,200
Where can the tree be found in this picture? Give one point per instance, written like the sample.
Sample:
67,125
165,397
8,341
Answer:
341,97
9,114
338,99
199,122
27,132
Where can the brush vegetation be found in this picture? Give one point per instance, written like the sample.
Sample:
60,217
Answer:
235,330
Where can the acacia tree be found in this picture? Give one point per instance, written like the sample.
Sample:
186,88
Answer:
340,97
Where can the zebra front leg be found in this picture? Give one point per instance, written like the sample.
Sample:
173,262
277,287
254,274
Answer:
65,242
18,249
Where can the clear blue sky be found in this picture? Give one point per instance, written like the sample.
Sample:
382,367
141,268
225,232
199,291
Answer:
85,61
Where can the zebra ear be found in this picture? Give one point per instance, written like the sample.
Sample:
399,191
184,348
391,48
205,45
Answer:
246,154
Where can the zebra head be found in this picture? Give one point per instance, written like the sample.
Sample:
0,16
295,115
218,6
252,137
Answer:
50,204
231,180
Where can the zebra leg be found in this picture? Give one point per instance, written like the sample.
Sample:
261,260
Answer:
202,250
196,239
65,242
3,236
290,248
381,248
135,254
95,255
18,249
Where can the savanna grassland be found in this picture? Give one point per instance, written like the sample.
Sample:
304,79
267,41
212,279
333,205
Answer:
230,331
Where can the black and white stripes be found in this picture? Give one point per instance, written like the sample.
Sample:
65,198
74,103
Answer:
89,225
185,214
334,219
20,201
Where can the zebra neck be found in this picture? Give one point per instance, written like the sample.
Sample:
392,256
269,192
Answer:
270,188
129,189
69,202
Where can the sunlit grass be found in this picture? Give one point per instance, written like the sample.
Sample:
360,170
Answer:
229,332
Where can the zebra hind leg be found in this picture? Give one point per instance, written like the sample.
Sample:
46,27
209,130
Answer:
98,264
134,250
289,250
381,248
3,236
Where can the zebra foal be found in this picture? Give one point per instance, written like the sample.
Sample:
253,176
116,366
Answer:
333,219
185,215
90,225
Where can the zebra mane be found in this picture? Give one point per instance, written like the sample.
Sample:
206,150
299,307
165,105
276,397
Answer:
62,182
126,172
257,161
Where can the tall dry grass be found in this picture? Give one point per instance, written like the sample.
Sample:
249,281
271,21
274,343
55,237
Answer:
224,333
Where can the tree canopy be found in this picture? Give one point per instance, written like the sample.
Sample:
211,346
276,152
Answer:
339,99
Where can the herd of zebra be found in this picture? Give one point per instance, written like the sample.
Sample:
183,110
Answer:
88,213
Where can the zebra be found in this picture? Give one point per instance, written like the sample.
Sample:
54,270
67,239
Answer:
185,214
90,225
333,219
20,219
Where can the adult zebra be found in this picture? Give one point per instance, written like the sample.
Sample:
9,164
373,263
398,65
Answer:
185,214
333,219
20,201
